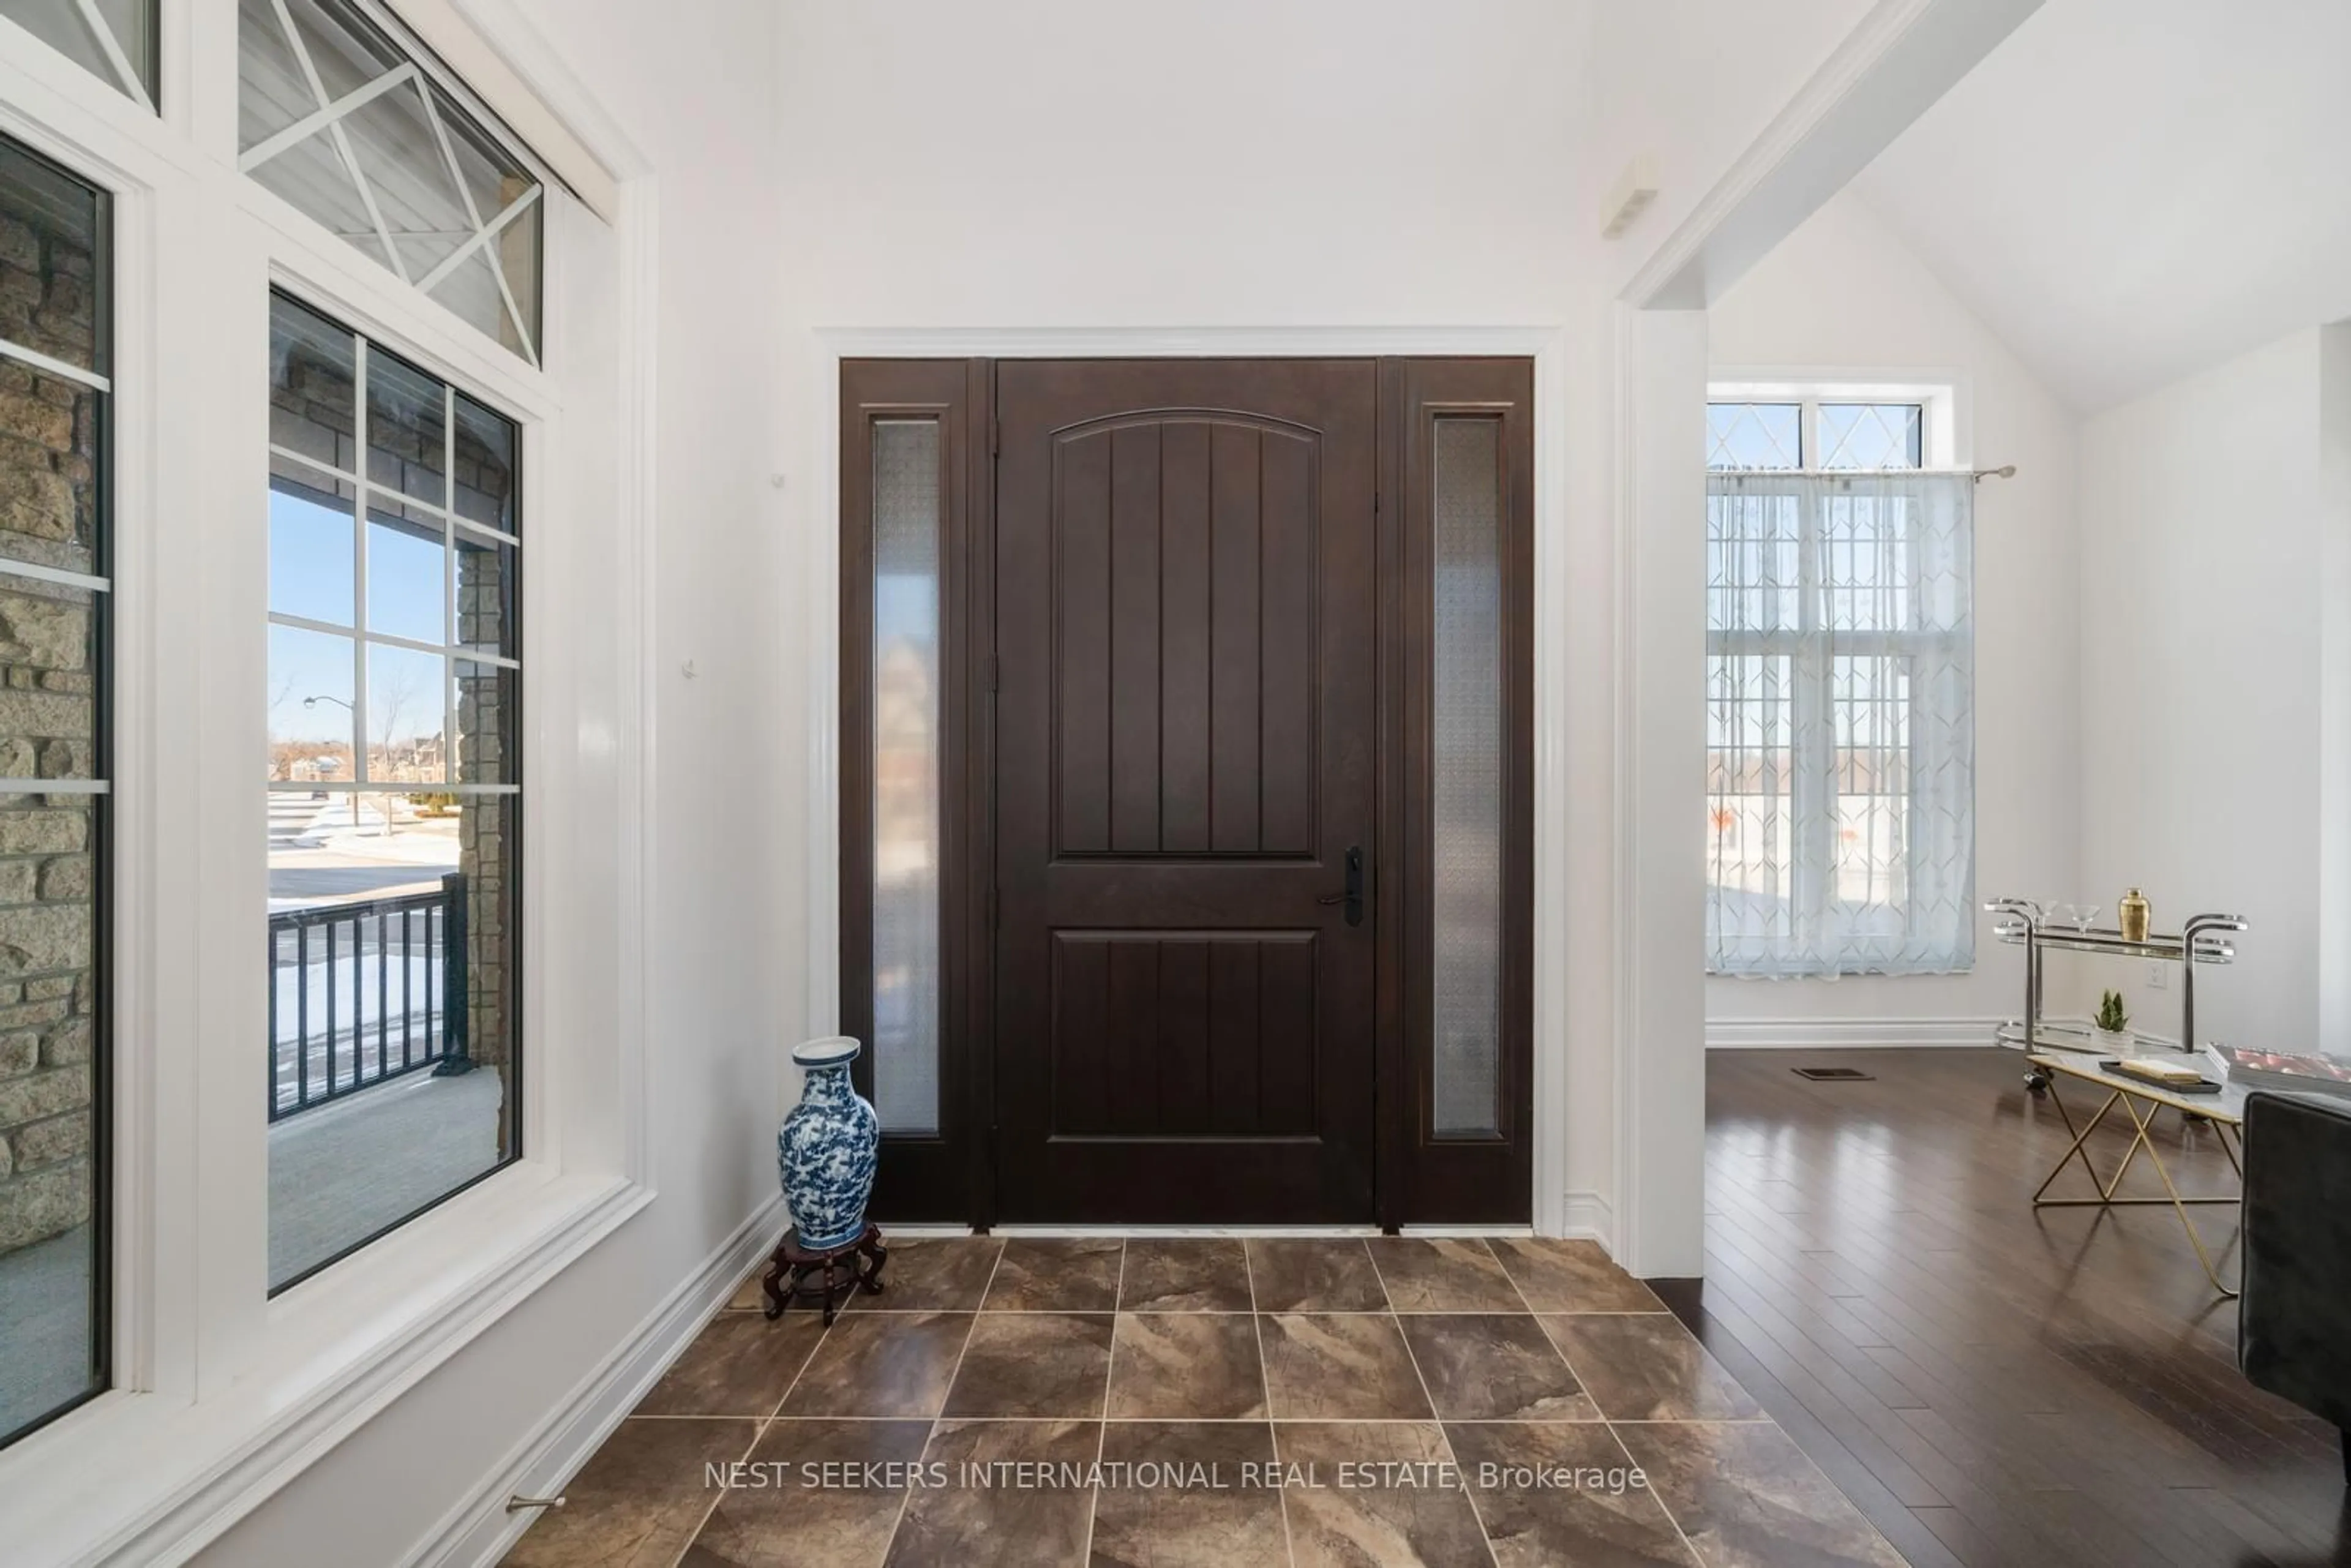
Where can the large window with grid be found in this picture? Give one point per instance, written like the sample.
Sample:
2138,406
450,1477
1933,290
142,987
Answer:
1840,749
282,327
393,778
56,594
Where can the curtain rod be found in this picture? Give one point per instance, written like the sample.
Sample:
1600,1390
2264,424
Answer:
2005,471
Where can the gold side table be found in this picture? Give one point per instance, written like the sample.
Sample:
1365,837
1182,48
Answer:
2224,1112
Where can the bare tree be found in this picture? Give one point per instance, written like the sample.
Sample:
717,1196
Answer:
281,754
390,700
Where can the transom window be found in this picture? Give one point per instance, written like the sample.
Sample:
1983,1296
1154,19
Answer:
1815,432
113,40
334,116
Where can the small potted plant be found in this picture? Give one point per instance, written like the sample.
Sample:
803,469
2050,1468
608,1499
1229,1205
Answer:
2112,1023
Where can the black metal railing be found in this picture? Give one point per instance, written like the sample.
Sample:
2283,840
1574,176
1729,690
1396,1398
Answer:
361,993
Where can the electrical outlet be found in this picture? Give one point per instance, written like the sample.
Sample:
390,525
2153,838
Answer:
2159,975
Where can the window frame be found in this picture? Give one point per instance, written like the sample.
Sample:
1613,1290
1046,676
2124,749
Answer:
1945,444
220,1393
453,653
100,791
1945,425
375,304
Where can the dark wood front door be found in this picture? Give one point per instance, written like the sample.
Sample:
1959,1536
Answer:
1186,750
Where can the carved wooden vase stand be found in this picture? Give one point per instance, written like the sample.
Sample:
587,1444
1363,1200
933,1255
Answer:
854,1265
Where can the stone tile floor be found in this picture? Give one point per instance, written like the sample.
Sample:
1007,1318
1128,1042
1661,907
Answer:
1216,1402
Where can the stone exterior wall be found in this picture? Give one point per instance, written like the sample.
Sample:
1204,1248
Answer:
486,753
49,501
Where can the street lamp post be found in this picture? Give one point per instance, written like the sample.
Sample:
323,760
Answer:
351,708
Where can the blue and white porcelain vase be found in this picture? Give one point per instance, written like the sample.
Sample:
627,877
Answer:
826,1149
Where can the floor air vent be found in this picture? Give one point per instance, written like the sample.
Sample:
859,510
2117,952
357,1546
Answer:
1834,1074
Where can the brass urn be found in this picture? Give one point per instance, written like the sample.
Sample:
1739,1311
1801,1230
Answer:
2133,912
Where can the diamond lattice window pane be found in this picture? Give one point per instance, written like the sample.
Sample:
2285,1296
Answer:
313,176
342,47
113,40
272,92
1754,435
1872,436
422,208
473,290
334,117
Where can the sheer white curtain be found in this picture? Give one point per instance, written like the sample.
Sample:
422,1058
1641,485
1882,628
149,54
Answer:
1839,723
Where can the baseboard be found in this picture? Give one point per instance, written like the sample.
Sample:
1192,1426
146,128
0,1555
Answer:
478,1530
1844,1034
1590,1218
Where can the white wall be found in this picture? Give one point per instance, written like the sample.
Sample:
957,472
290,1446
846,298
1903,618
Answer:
724,925
1687,85
1843,296
1229,165
2138,189
2202,560
1055,163
2334,690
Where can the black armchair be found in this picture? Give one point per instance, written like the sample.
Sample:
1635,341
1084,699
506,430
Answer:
2293,1319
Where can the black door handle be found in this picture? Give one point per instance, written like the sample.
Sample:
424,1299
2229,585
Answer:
1353,895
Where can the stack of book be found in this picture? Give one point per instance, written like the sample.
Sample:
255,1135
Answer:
2278,1070
2174,1073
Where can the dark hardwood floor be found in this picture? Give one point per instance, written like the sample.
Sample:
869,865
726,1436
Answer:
1993,1384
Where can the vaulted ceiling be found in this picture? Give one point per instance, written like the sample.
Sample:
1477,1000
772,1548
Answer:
2129,190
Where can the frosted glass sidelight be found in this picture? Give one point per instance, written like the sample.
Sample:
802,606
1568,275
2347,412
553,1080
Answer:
1465,794
906,502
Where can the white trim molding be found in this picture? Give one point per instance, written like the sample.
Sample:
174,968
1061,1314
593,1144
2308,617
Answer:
1660,1064
1590,1217
480,53
478,1529
1902,57
2333,717
138,1477
1846,1033
1890,68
